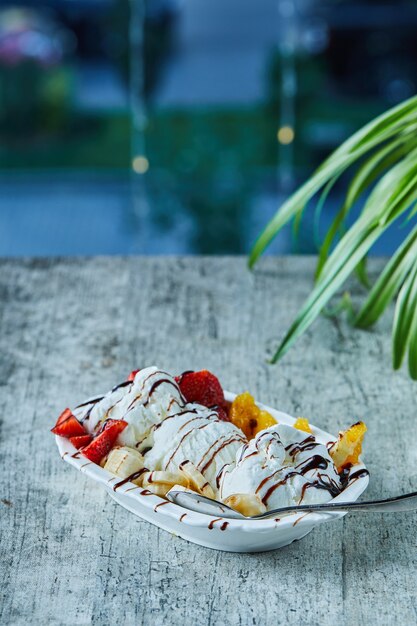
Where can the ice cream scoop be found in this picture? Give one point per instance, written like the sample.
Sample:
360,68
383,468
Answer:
143,402
195,434
284,467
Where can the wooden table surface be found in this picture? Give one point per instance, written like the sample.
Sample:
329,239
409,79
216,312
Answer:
71,555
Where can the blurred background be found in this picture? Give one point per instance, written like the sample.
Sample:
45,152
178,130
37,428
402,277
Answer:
178,126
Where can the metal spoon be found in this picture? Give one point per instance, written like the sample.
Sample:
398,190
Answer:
201,504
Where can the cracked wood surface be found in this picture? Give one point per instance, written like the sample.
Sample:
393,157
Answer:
70,555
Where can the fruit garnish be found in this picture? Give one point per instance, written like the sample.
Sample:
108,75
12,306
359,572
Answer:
64,416
68,426
246,503
124,461
196,480
81,440
301,423
160,482
201,387
132,375
247,416
103,443
348,447
265,420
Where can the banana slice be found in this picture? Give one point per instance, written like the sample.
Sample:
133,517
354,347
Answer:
164,478
181,488
178,487
160,483
197,481
158,489
246,503
124,462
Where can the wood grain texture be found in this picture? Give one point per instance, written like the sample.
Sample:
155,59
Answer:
72,556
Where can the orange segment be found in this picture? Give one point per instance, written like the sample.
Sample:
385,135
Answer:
248,417
265,420
301,423
240,412
347,449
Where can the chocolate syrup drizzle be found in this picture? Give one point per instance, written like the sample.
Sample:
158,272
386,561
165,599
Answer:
128,383
93,403
234,438
219,475
348,478
183,412
156,385
130,478
125,383
218,519
156,507
181,441
315,463
295,448
322,481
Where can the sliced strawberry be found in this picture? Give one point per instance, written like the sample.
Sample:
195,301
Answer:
81,440
103,443
68,426
64,415
201,387
132,375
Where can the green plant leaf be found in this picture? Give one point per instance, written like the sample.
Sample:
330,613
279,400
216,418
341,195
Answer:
376,132
325,289
391,197
405,311
380,211
319,208
412,348
389,282
364,177
412,213
361,272
344,305
386,151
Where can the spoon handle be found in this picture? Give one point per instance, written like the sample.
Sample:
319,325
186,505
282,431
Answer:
406,502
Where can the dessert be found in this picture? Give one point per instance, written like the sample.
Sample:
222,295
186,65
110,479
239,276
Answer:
143,400
159,431
283,466
197,435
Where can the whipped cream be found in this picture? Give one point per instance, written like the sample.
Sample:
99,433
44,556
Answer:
195,434
283,466
144,402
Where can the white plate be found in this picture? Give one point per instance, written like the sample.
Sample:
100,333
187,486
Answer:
221,534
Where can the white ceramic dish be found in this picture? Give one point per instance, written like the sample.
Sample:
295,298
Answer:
221,534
